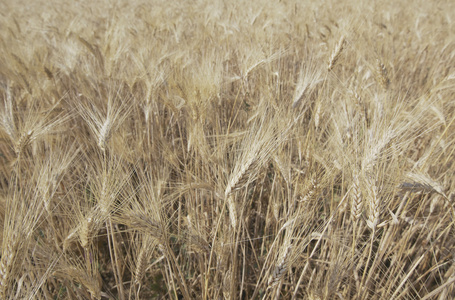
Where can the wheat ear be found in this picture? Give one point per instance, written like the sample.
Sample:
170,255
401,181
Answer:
6,263
374,206
256,156
141,261
86,232
356,204
382,74
281,267
336,54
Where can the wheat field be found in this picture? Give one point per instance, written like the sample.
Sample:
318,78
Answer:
227,149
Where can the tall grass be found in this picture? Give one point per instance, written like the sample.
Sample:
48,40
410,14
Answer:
227,150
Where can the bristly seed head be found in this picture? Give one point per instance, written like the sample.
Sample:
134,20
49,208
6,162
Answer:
336,54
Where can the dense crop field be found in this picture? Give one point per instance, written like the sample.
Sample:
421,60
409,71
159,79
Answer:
227,149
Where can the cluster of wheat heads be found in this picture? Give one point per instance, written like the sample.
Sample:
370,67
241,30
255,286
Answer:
227,150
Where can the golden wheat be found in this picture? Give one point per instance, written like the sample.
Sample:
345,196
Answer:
226,150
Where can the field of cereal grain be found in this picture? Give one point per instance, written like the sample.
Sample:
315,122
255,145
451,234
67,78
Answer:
227,149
